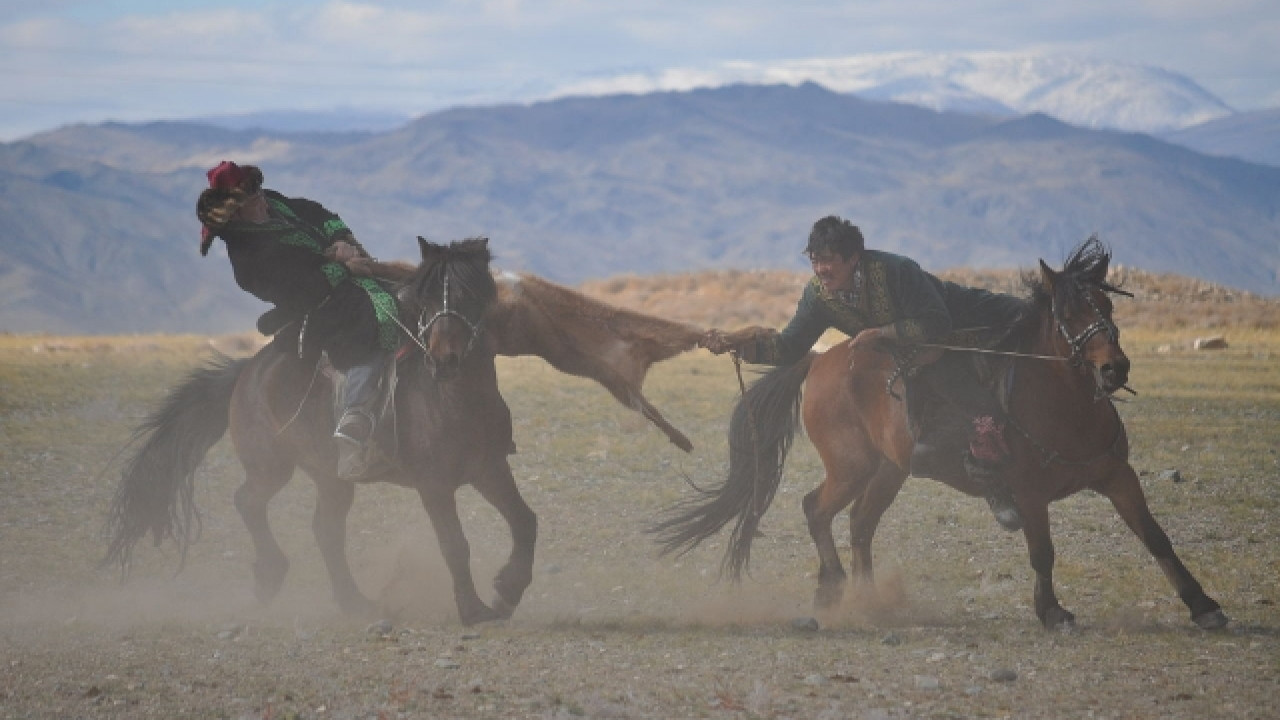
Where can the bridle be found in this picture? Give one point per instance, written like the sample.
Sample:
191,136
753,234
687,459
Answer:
424,323
1102,324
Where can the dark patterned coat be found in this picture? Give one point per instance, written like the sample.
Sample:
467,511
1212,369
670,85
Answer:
888,290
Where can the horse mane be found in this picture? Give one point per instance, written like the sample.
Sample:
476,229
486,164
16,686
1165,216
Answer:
1086,265
467,264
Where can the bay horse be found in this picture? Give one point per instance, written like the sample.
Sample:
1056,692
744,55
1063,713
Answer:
1065,362
452,426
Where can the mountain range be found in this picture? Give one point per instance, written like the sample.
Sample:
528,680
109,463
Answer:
1093,93
98,234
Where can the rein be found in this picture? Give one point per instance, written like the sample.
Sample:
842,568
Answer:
1006,353
1102,324
751,420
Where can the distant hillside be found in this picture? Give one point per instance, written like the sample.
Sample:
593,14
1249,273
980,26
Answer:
1251,136
98,234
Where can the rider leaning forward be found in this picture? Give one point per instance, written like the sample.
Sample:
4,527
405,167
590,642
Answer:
887,302
300,257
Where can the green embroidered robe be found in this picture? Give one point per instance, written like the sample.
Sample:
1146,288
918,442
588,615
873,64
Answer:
281,261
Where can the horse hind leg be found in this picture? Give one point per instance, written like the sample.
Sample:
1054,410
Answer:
821,505
499,488
262,482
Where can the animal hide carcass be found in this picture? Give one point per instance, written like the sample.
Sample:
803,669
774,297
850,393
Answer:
589,338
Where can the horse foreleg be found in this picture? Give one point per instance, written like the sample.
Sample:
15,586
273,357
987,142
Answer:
329,525
1125,494
821,505
442,508
499,488
1040,548
270,564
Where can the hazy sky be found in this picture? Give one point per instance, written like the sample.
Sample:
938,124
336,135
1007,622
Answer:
67,61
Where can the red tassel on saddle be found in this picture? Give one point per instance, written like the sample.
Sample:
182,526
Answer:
987,443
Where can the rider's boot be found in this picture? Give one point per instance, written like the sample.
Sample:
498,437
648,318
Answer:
985,462
357,419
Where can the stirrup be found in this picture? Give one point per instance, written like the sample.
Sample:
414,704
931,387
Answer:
355,439
353,458
1005,511
356,426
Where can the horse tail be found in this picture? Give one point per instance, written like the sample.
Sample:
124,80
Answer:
761,430
157,483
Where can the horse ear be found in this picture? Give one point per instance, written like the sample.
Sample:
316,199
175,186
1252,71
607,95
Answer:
1047,277
1103,269
427,248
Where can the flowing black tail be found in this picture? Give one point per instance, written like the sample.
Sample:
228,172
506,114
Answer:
760,433
157,484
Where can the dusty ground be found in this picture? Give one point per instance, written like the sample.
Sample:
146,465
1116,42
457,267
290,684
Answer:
609,630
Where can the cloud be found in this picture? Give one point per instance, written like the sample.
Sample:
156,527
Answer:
68,61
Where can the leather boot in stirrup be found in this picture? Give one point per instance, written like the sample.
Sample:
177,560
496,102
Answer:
995,491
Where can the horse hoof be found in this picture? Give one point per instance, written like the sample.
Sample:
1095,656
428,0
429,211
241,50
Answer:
1060,620
358,606
503,608
1214,620
510,587
268,579
482,614
828,596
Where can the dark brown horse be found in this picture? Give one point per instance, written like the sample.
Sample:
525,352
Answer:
1064,432
452,426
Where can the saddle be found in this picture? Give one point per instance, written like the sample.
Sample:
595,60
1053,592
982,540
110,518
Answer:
962,411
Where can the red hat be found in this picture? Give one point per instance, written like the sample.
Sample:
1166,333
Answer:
226,176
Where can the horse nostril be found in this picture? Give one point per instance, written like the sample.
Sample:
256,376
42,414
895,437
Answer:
446,366
1115,374
1119,371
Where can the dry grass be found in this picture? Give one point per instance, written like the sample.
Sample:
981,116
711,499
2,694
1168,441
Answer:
730,298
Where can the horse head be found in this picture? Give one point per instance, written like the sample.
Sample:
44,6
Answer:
1080,304
450,293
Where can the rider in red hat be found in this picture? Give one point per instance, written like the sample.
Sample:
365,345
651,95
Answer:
305,261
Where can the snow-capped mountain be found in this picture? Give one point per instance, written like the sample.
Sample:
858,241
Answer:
1091,93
